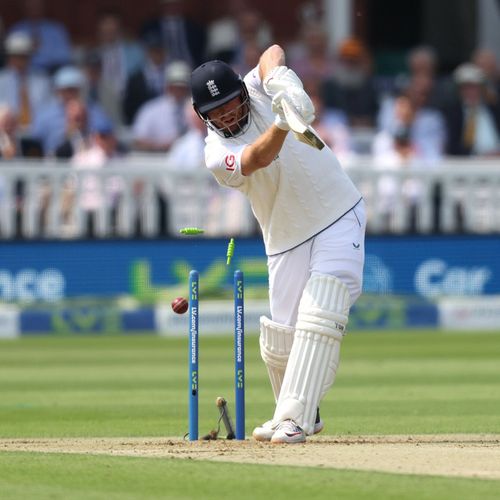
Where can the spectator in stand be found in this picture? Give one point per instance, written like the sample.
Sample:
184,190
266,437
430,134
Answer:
486,60
239,27
49,123
119,56
183,39
223,37
24,90
188,150
422,60
252,28
76,135
311,59
416,132
409,114
351,89
416,139
422,64
50,38
419,90
250,58
147,82
331,124
473,124
98,91
161,121
102,149
76,140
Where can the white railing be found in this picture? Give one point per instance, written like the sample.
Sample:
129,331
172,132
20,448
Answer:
126,198
456,195
121,199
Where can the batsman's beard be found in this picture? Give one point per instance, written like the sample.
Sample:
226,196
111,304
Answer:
238,123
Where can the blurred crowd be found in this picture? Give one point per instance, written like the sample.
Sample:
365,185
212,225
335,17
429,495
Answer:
130,92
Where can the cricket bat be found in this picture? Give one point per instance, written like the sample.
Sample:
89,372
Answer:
302,131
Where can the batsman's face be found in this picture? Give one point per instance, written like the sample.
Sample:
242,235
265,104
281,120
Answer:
228,115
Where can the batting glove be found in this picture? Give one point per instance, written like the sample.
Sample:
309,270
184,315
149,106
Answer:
298,99
302,103
277,109
280,78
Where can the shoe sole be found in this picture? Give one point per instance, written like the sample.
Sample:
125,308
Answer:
284,441
295,437
263,439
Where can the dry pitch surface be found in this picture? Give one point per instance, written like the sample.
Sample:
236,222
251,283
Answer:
475,456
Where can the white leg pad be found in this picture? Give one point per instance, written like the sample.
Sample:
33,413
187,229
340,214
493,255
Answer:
275,345
311,368
331,371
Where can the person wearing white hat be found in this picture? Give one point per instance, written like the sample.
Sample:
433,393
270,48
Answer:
473,124
50,123
52,46
21,88
162,120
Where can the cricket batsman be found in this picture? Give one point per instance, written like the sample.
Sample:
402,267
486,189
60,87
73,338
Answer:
312,219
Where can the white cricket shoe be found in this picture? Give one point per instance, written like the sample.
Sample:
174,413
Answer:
265,431
288,432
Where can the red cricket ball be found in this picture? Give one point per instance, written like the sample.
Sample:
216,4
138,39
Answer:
180,305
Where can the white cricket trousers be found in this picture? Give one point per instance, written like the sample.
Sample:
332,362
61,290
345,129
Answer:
339,251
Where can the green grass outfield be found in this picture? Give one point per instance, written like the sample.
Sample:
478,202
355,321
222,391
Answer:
389,383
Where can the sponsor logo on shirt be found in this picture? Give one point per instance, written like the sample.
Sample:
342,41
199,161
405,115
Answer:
230,161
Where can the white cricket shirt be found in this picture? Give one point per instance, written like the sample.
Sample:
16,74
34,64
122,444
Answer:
157,121
301,192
